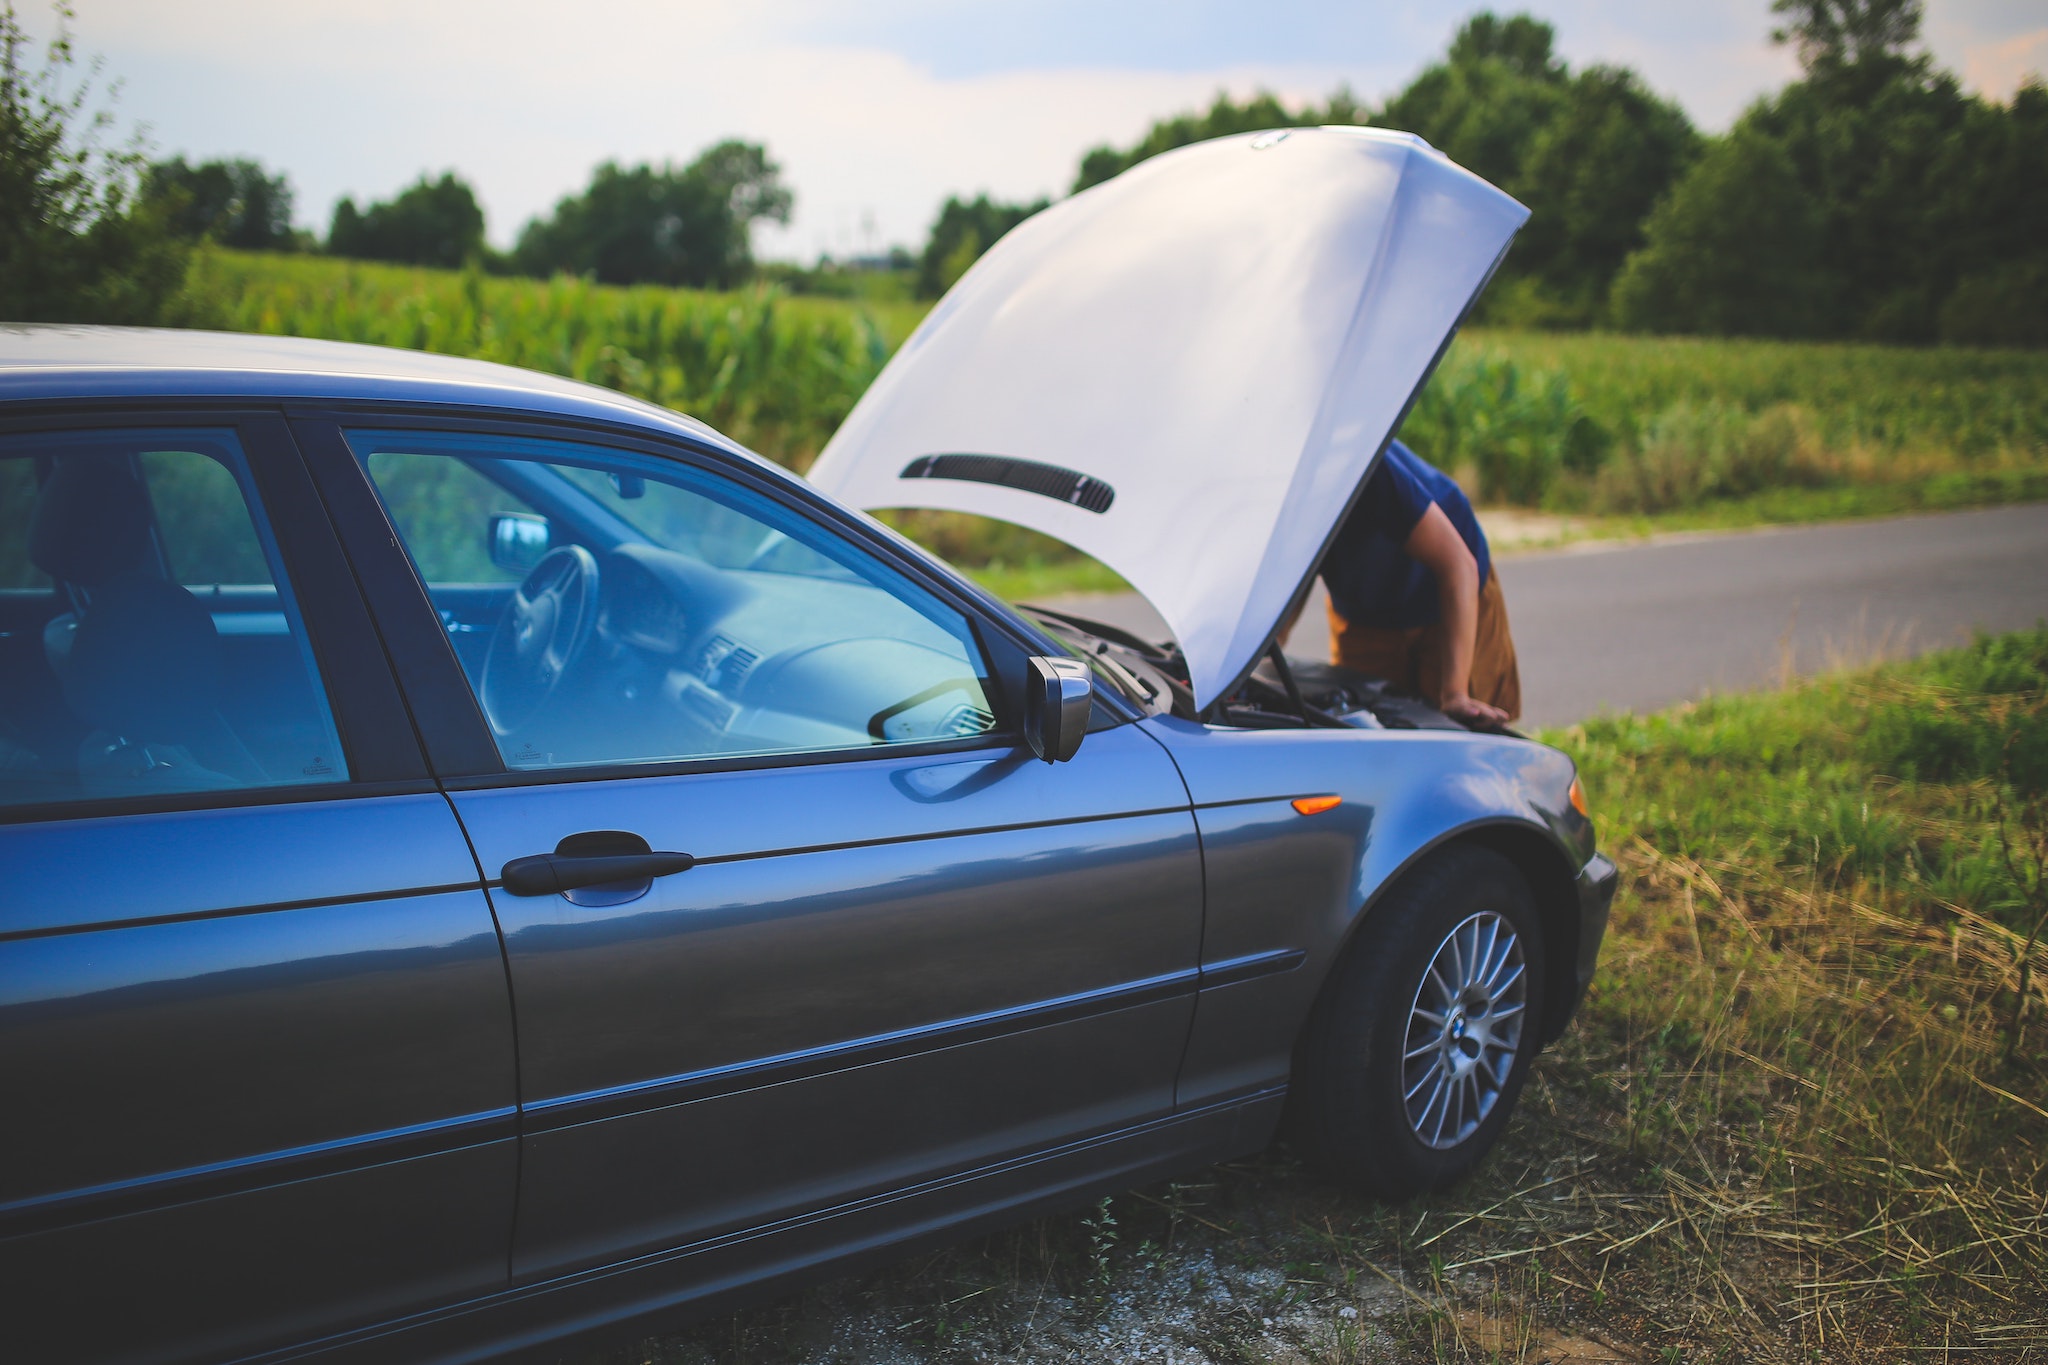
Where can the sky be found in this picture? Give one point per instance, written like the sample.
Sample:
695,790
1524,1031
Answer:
875,109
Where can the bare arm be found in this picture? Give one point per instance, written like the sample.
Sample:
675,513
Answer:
1437,546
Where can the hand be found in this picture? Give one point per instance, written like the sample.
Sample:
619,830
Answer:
1472,711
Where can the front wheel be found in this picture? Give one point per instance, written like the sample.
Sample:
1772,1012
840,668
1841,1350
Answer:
1413,1057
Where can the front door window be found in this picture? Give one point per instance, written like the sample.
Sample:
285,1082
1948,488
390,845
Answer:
611,607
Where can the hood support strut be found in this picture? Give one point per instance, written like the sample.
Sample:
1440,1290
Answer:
1314,715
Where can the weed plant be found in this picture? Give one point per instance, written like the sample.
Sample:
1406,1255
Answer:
1793,1121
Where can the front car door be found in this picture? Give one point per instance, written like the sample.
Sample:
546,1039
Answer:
255,1039
905,949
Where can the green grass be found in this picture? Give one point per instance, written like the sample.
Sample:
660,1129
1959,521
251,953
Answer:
1950,492
1645,433
1784,1127
1930,493
1043,580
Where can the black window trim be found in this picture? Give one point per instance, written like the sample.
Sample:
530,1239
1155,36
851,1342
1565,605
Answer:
470,761
368,712
233,798
451,726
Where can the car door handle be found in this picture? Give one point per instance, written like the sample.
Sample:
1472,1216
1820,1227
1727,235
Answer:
550,874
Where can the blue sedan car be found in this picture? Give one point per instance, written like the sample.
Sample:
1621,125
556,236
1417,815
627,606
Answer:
488,860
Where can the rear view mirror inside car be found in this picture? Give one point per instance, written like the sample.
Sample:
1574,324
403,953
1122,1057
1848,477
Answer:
518,540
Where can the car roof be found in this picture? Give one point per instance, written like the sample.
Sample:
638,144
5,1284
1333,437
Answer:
46,361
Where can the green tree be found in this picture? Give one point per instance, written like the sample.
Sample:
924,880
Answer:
77,243
236,203
965,228
691,226
1733,249
1498,86
1485,103
1931,204
1869,130
1831,33
742,178
1520,42
1222,118
1874,194
431,222
1995,197
1589,153
2003,305
1590,176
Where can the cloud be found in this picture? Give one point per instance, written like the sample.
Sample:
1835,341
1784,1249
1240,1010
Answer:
523,98
877,109
1998,69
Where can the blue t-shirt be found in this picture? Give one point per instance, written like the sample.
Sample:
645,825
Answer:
1371,579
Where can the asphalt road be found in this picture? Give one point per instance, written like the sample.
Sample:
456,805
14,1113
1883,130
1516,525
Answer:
1640,625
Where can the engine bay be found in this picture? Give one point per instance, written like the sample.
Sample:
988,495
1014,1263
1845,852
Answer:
1280,693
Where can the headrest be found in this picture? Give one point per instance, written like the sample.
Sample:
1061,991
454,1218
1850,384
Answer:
145,663
91,520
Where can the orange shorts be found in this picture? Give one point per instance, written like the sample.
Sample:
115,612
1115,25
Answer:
1412,660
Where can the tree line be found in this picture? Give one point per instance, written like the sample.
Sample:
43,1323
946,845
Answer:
1872,198
646,224
97,232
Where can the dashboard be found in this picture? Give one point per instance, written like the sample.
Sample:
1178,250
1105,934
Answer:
689,660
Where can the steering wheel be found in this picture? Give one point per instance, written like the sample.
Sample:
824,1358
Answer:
542,635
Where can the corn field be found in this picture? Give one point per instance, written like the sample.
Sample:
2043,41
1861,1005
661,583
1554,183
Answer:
1579,422
774,372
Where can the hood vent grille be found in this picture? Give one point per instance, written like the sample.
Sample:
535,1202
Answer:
1028,476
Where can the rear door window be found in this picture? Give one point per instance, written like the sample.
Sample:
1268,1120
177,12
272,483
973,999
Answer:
150,638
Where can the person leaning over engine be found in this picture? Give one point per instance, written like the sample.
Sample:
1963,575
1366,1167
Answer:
1414,597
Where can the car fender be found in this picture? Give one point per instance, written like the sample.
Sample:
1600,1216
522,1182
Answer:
1286,891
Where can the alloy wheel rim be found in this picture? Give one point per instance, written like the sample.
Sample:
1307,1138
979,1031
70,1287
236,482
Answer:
1464,1030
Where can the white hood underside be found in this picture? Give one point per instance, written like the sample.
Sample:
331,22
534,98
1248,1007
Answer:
1224,336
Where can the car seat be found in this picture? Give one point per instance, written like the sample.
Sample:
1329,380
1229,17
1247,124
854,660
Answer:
138,657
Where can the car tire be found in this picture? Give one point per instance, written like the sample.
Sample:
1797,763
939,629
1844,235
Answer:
1402,1083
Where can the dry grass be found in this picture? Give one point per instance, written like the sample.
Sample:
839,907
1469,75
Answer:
1824,1148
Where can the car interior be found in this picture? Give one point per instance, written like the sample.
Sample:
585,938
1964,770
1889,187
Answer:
145,646
603,616
621,613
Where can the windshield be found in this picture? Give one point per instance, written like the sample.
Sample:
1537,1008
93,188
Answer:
679,518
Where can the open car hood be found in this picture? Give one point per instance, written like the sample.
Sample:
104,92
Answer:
1187,372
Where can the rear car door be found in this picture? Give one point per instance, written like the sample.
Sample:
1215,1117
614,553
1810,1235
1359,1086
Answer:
904,946
255,1036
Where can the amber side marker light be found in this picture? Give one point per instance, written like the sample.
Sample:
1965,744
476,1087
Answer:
1578,799
1316,805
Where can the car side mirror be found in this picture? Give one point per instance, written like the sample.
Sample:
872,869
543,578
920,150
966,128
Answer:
518,540
1059,696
